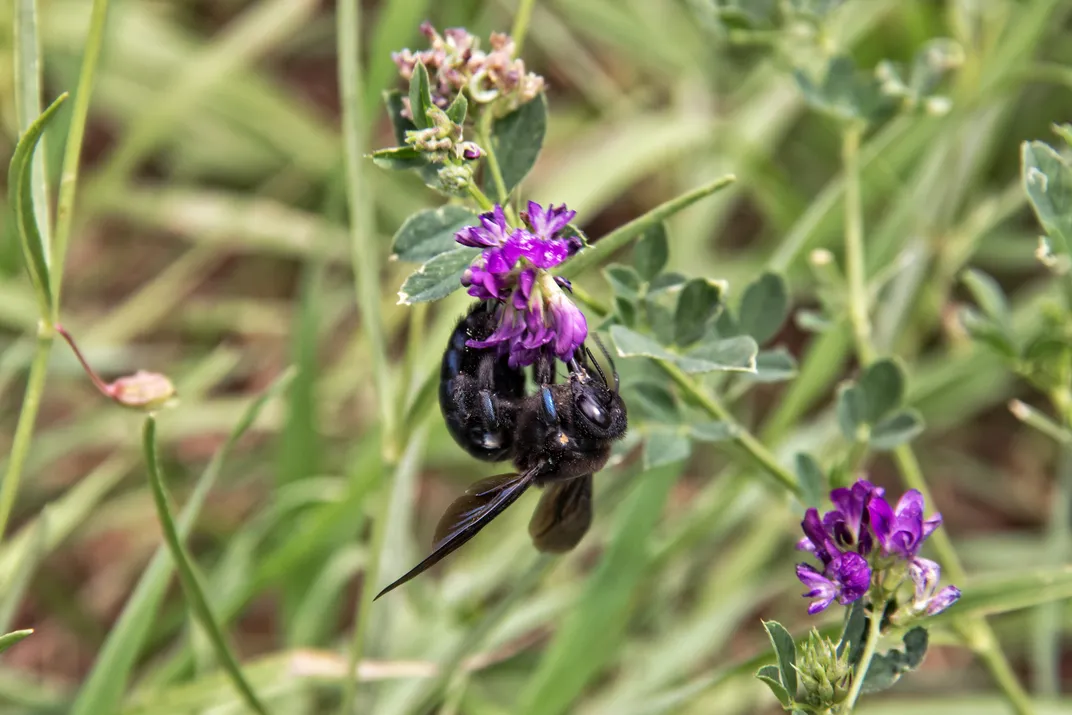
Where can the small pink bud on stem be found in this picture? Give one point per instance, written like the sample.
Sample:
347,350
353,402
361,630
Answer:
141,391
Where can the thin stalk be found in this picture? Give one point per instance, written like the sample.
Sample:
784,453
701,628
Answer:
521,23
480,197
975,631
31,402
483,137
860,671
73,150
195,595
855,267
743,438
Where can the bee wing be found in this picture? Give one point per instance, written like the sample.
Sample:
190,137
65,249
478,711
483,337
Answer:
563,515
467,515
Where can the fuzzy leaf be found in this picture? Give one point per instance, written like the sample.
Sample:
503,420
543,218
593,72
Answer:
438,277
660,305
625,311
887,669
786,650
852,636
623,279
812,480
775,365
882,387
989,296
1048,182
517,140
651,252
420,96
665,446
737,354
850,411
430,232
843,92
697,305
655,401
458,109
399,158
769,675
986,331
20,194
764,307
897,429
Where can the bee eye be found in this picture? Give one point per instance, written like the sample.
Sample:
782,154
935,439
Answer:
593,411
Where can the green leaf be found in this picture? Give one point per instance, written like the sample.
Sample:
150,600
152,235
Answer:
660,306
769,675
714,431
812,480
665,446
989,296
9,639
986,331
731,354
625,311
887,669
882,387
736,354
1047,180
899,428
775,365
458,109
430,232
420,96
850,410
392,100
20,194
1064,131
438,277
697,306
651,252
764,307
853,634
844,93
399,158
786,650
654,401
624,280
517,140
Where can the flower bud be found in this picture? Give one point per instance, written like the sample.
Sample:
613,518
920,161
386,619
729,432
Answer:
824,675
455,178
143,390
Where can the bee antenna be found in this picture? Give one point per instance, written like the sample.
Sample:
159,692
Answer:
606,354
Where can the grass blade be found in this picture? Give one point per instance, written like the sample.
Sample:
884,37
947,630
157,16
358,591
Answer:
9,639
188,575
103,689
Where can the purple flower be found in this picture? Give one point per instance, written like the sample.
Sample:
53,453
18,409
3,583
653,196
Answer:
847,523
492,231
925,575
903,530
846,578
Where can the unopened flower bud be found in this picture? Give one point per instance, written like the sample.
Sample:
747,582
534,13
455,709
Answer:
455,178
143,390
824,675
470,151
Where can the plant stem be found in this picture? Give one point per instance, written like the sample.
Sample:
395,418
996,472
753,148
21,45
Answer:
742,437
859,673
195,595
975,631
483,137
480,197
521,23
855,267
72,152
31,402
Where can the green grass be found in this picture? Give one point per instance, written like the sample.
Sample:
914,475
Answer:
225,227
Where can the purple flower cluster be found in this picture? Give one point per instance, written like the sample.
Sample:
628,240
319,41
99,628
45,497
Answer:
536,317
864,535
455,63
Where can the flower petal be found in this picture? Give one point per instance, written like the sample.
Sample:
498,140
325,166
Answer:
820,588
943,600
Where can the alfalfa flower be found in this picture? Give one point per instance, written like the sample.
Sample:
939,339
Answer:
456,65
536,316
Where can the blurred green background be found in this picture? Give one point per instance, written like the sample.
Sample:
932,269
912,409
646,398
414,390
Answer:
210,243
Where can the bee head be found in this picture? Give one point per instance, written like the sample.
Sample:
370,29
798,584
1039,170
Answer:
598,409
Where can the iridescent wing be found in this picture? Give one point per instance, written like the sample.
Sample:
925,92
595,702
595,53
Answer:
467,515
563,515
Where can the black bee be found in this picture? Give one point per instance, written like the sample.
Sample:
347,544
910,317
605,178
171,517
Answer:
557,438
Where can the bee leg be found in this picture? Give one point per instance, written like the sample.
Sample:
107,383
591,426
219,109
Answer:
543,370
485,385
548,411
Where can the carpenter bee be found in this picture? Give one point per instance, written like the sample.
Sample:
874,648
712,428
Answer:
557,439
